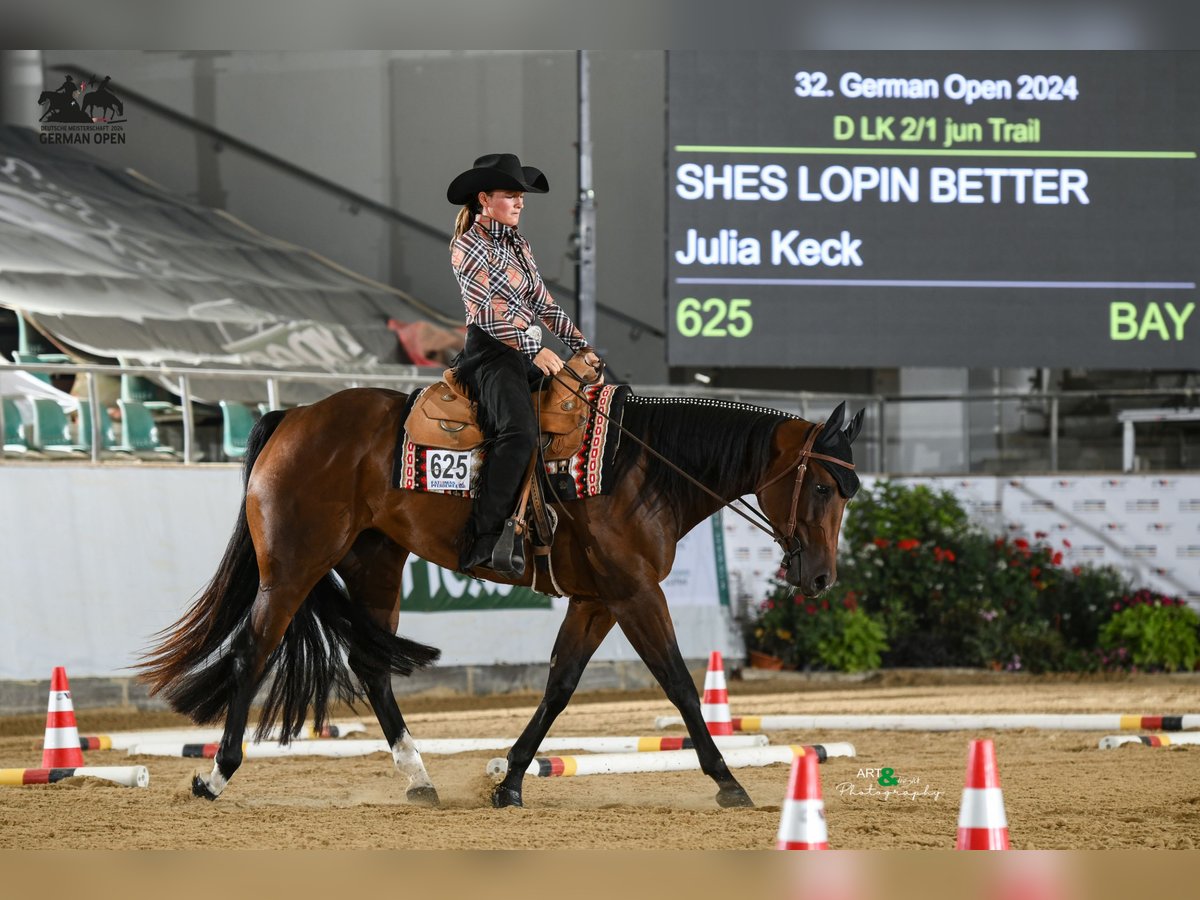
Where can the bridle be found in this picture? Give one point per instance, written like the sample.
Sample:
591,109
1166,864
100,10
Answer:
786,539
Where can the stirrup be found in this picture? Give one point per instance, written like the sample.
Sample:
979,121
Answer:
508,556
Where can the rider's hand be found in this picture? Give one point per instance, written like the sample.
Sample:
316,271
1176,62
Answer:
548,361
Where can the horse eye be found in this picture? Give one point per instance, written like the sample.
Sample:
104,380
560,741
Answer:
823,489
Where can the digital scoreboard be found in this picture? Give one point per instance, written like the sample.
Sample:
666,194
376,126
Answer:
933,209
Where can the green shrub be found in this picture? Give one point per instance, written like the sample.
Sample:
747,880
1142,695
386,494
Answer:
933,589
816,634
1151,632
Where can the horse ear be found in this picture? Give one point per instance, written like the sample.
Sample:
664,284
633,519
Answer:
834,422
855,425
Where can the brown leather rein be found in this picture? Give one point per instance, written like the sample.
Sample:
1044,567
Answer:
786,540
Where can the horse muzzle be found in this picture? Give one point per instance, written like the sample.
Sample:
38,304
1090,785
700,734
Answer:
807,571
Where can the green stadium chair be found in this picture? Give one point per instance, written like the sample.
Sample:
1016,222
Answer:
14,429
108,439
236,422
19,357
139,434
51,430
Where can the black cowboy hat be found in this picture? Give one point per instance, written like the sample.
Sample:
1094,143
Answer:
496,172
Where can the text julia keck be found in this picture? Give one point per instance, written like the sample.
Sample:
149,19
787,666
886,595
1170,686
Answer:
84,135
790,248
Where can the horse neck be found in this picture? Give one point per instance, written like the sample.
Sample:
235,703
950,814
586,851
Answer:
707,505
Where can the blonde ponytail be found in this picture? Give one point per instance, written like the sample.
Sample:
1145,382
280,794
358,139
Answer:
465,219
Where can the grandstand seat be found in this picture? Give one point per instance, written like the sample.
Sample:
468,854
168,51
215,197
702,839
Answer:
139,434
14,429
143,390
108,438
51,430
236,422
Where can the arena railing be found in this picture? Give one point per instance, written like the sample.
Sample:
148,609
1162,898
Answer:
877,447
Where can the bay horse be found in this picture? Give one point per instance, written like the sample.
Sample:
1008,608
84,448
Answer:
319,500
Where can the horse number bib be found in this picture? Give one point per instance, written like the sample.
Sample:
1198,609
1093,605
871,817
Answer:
449,470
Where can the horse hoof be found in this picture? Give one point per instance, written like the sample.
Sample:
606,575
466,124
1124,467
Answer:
505,796
733,798
423,796
200,789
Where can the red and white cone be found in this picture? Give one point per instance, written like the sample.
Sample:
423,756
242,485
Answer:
982,824
802,825
61,747
715,705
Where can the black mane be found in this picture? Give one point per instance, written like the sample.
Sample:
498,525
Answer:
725,446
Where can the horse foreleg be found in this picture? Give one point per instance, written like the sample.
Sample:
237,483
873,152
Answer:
646,622
373,572
586,625
250,649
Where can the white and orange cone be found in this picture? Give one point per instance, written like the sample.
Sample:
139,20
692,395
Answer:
715,705
61,747
982,824
802,825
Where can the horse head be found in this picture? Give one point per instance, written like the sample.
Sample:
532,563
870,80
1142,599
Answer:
804,493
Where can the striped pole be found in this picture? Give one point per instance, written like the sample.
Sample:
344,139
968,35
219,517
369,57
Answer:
331,749
982,824
957,722
1149,740
666,761
715,705
439,746
802,823
123,740
61,747
129,776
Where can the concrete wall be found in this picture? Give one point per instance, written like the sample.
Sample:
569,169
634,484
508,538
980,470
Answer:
94,560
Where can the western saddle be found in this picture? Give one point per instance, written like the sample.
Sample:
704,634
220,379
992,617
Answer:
442,418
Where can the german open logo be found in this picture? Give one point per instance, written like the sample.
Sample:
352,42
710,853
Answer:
89,112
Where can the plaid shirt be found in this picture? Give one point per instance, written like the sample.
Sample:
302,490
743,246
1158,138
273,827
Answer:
502,289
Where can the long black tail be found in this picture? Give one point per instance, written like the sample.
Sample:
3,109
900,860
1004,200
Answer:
193,666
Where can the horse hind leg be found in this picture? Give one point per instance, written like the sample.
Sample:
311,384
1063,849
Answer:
586,624
647,624
249,650
372,572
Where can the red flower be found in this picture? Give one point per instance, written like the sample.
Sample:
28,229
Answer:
1040,535
1075,570
882,542
1021,544
810,609
824,604
770,604
1057,559
1034,573
949,556
908,544
1066,543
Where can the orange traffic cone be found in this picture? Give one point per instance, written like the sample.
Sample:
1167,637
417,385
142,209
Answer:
982,824
802,825
715,705
61,748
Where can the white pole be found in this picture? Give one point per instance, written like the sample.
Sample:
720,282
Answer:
333,749
667,761
1150,740
434,746
955,722
123,740
128,776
